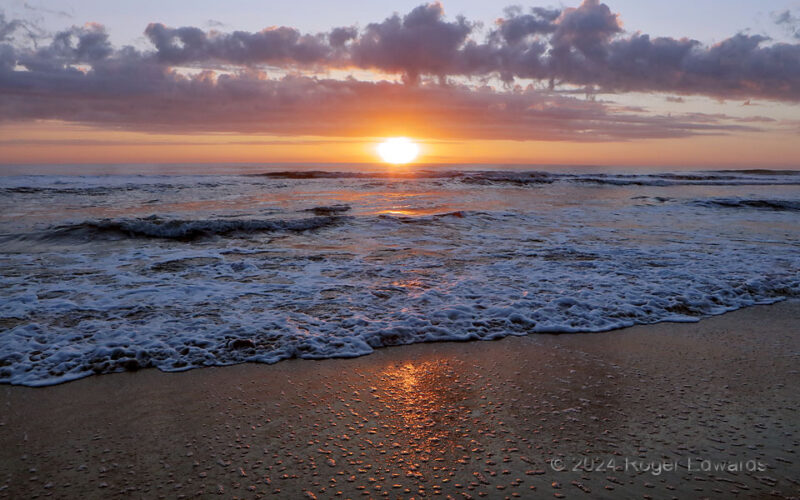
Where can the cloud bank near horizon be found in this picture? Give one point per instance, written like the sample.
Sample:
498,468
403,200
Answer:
195,80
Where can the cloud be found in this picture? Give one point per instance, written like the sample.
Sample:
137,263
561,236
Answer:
7,28
586,29
419,43
583,46
188,143
516,26
85,44
340,36
213,23
249,102
789,21
587,48
77,75
280,45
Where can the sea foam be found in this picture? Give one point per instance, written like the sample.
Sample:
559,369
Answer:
252,268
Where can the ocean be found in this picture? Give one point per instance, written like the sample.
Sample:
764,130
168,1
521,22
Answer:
123,268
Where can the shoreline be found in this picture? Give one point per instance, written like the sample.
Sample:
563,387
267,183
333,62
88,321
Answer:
495,418
68,379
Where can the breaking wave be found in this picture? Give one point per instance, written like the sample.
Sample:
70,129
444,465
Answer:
329,210
176,229
522,178
763,204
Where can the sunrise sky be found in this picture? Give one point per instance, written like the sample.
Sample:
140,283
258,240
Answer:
712,83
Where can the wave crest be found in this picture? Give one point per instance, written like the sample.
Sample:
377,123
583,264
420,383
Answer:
525,178
185,230
763,204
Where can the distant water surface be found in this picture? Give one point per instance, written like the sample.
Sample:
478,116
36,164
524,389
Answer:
134,268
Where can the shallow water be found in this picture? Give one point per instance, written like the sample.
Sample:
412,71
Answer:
104,273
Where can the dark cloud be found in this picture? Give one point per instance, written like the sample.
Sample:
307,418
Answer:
756,119
86,44
587,48
784,17
419,43
134,92
76,75
516,26
790,21
738,67
7,28
582,46
586,29
289,141
340,36
278,45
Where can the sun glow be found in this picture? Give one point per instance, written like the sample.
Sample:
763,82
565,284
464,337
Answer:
398,150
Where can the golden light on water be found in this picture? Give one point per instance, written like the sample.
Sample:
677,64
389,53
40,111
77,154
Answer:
398,150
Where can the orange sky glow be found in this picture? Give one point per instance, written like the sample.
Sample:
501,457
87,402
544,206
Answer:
57,142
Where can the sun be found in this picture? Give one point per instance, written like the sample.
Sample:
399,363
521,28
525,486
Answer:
398,150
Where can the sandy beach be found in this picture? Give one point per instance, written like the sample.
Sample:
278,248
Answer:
704,410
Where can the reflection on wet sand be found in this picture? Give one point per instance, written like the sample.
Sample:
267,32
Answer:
427,421
421,398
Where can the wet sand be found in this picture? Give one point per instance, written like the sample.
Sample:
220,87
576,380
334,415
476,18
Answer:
567,416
